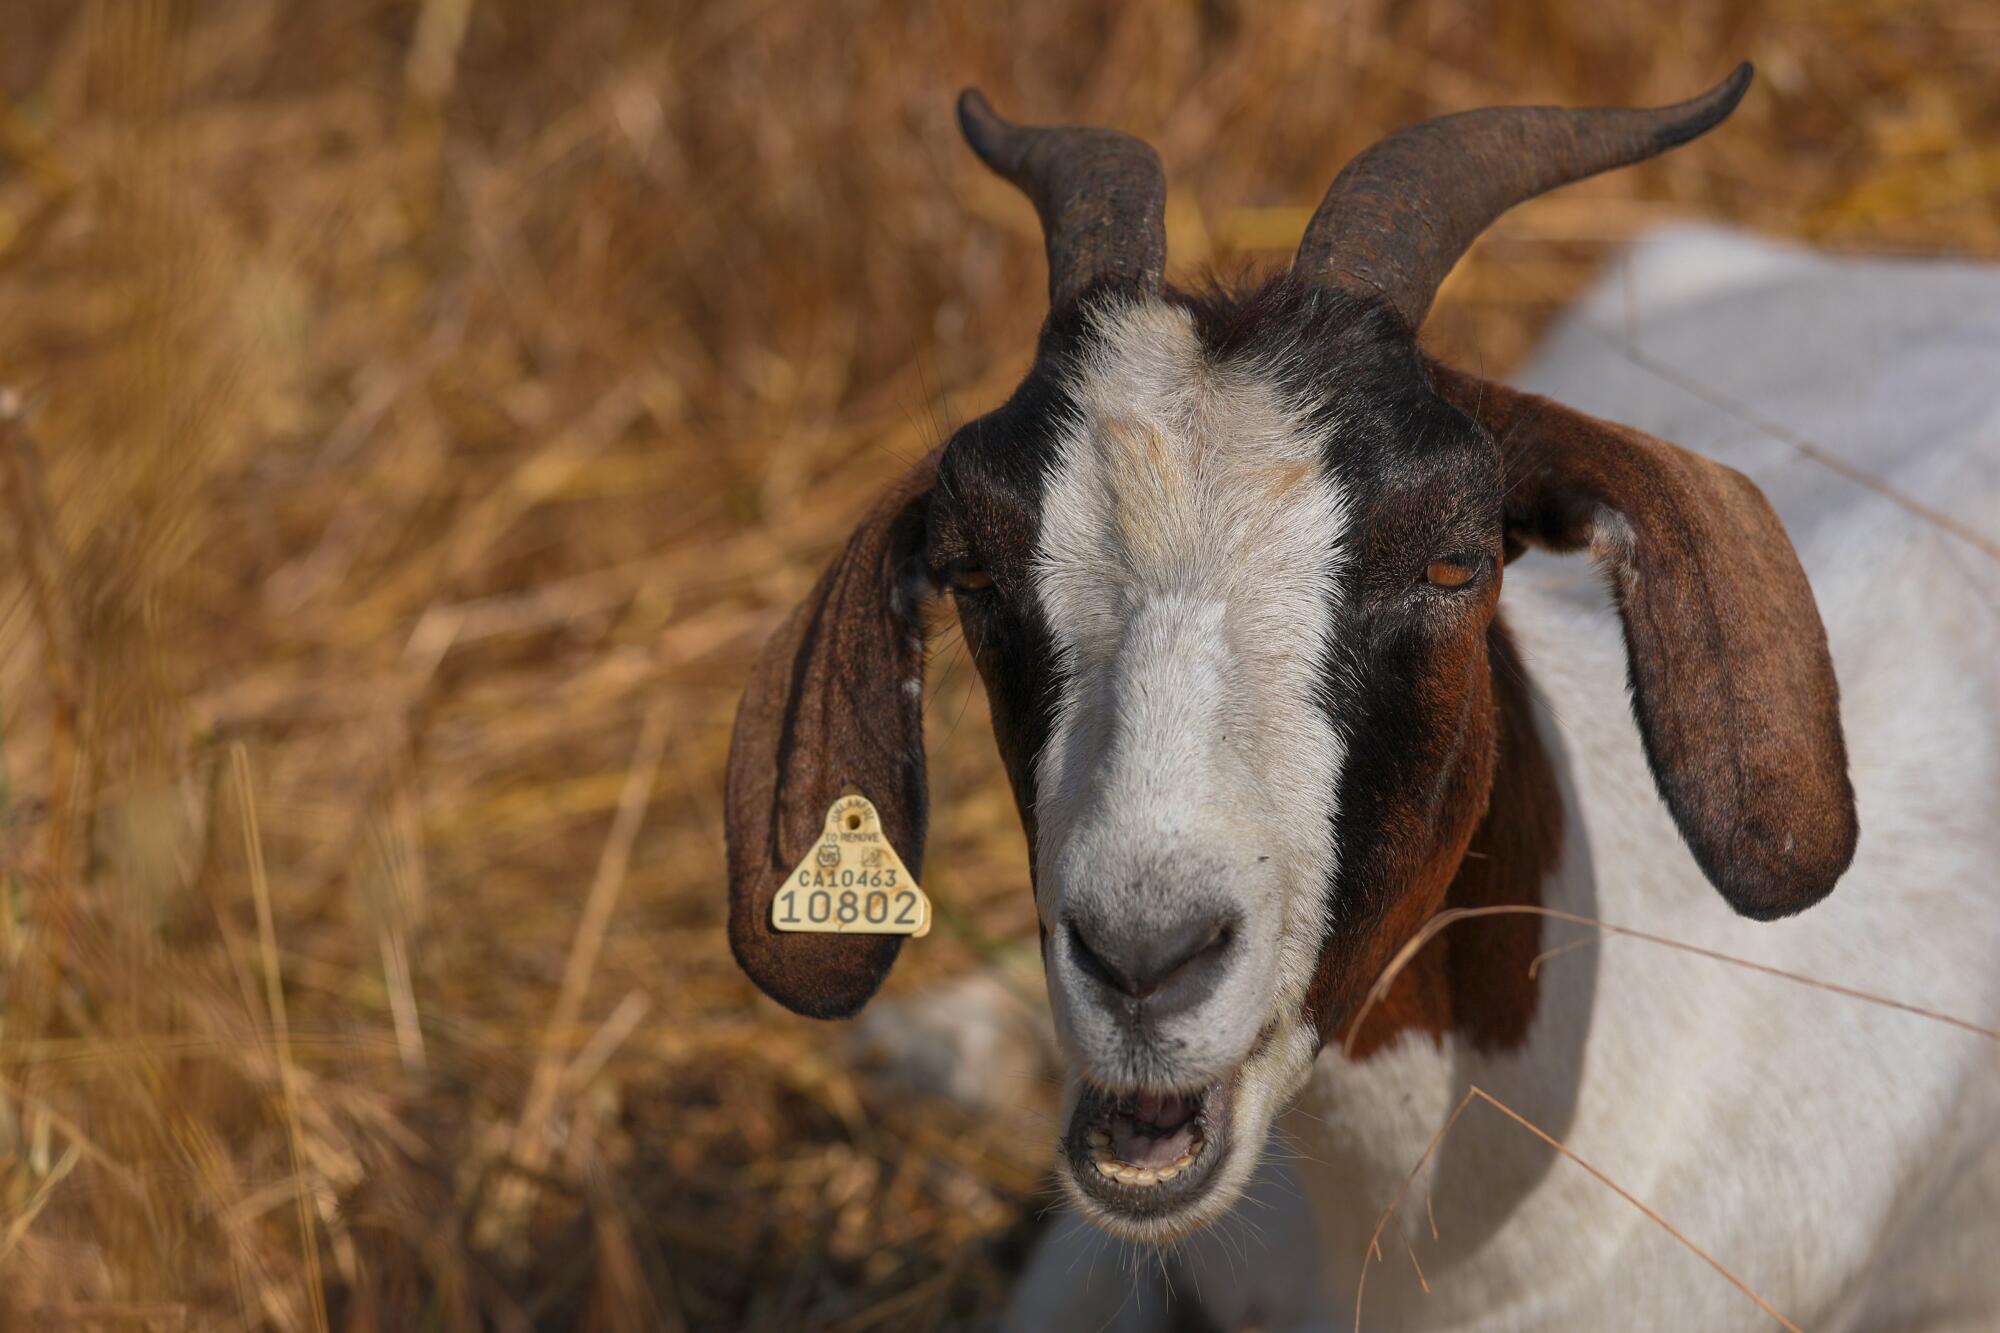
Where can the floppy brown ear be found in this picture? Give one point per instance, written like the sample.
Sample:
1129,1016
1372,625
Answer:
835,701
1731,681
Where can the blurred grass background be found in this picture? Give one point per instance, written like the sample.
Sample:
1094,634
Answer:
418,412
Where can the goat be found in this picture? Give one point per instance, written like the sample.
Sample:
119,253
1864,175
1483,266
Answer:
1230,568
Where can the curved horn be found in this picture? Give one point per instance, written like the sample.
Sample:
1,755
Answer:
1399,216
1101,196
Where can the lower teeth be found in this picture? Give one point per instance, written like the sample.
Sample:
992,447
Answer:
1126,1174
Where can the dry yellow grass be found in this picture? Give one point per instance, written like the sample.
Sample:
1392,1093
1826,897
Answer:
413,397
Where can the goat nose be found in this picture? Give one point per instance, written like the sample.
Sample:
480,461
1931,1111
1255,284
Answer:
1170,966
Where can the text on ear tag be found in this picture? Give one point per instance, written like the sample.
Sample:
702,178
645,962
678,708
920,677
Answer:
852,882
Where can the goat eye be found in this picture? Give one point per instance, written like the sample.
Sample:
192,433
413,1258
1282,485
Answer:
960,576
1452,571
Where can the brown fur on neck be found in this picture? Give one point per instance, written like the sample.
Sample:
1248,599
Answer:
1472,980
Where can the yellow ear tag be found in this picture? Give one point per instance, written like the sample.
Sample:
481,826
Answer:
852,882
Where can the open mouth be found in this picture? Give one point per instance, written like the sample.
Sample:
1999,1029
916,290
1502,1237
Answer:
1145,1154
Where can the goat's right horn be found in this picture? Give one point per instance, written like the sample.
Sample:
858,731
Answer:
1100,194
1399,216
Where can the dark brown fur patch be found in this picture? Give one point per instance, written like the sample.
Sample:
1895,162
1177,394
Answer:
1473,979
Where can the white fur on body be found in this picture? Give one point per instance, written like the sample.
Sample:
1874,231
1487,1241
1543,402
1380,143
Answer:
1841,1158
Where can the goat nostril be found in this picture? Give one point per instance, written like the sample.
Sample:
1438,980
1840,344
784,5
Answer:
1143,962
1215,942
1092,962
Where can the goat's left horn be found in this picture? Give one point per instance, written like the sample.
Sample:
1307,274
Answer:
1399,216
1100,194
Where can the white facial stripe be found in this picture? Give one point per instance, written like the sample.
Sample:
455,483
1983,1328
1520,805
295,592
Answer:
1190,543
